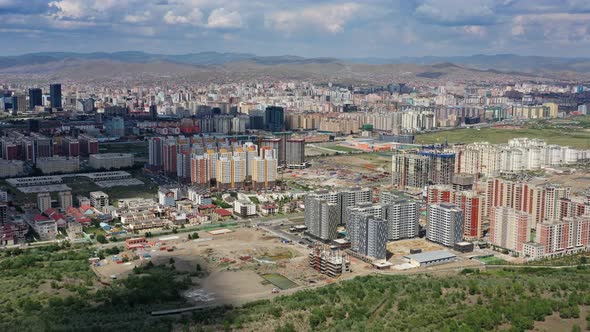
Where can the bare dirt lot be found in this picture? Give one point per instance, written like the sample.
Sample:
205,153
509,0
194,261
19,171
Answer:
369,169
231,265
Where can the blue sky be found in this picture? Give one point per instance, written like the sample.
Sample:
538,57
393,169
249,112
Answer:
370,28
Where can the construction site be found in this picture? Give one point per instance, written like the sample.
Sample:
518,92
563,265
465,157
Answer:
330,262
367,169
234,267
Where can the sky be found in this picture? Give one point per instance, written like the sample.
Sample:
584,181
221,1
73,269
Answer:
343,29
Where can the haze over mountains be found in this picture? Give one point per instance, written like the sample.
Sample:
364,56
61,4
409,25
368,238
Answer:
84,66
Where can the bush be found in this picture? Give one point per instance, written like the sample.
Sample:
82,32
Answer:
101,239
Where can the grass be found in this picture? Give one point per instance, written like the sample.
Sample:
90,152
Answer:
341,148
139,149
279,280
94,230
507,299
491,260
577,138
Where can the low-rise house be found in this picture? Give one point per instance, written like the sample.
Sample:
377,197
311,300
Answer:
207,208
74,230
45,227
221,214
267,209
78,216
136,221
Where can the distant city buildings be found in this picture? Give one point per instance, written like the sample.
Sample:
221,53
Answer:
55,95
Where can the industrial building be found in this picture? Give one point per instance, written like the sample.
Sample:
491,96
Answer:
51,165
430,258
111,160
10,168
332,263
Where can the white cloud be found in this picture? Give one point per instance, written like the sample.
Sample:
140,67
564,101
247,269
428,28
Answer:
89,8
329,18
194,17
560,28
473,30
137,18
70,25
70,8
222,18
457,12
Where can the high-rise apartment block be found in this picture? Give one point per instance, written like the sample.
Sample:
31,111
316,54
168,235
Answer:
43,201
509,228
35,98
321,217
445,224
55,95
275,118
402,217
562,237
65,200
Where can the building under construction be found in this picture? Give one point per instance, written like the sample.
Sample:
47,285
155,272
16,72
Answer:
330,262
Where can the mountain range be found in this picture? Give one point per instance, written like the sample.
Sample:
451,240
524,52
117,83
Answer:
85,66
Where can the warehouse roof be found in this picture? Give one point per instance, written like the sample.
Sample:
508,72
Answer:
431,256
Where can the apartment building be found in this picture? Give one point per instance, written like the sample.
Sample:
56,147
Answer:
445,224
509,228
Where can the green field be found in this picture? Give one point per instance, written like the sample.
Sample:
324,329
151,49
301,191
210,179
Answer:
578,138
279,280
139,149
492,260
342,148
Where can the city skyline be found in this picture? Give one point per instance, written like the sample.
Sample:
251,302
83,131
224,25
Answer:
342,29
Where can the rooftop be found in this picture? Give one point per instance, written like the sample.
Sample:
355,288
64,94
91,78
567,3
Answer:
431,256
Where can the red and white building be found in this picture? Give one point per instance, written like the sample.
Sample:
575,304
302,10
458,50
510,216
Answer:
509,228
564,237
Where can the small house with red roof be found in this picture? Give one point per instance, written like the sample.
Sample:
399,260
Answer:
221,214
78,216
267,209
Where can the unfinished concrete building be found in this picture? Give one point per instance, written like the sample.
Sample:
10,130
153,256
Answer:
332,263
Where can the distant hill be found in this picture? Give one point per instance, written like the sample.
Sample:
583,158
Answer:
214,66
202,58
502,62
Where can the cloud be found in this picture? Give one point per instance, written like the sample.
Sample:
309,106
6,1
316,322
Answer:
557,28
70,8
313,27
194,17
457,12
473,30
137,18
224,19
330,18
